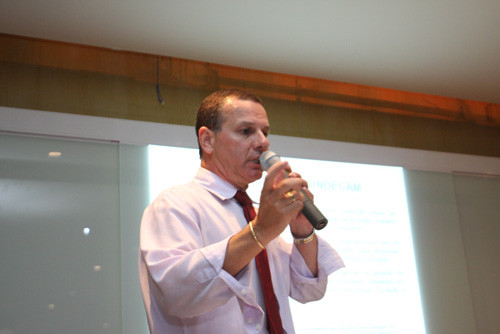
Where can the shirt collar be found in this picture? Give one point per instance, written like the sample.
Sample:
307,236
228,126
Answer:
214,184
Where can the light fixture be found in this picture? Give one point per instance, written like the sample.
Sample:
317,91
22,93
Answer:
54,154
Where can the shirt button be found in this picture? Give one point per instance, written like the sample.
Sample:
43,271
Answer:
243,292
249,320
258,327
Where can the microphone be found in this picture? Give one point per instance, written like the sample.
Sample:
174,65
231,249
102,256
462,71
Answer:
310,211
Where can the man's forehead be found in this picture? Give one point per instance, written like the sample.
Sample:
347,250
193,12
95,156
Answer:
234,105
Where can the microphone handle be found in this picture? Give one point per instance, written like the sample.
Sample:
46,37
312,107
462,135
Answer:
312,213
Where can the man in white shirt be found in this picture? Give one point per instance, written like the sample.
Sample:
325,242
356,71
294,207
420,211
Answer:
197,250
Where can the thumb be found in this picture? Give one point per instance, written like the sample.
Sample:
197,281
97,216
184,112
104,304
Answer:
275,174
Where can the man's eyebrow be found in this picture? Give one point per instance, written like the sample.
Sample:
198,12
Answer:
248,123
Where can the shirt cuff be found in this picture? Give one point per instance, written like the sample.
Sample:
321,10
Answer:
215,255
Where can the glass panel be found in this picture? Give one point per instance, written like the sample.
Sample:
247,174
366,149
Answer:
134,197
439,252
478,199
60,236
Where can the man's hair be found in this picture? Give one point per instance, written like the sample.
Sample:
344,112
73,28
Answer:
209,112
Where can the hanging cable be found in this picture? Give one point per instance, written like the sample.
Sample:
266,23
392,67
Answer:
158,93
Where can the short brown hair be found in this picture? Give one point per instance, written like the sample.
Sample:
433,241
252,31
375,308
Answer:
209,114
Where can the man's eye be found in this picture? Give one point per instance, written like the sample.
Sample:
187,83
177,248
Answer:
245,131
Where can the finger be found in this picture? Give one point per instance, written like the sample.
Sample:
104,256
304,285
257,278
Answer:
286,185
290,194
294,198
297,175
294,204
308,193
275,174
290,197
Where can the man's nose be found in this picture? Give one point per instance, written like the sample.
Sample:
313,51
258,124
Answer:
262,142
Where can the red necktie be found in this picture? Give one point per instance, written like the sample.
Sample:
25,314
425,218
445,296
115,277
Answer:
273,315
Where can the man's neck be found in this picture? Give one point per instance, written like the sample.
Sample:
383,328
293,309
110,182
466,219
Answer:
211,167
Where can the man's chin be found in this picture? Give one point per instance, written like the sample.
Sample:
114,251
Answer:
256,175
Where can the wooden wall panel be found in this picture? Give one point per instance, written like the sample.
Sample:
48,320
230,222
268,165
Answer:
63,77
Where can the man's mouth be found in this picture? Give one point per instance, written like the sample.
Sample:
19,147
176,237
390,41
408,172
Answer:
256,161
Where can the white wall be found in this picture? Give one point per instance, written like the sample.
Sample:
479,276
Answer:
454,216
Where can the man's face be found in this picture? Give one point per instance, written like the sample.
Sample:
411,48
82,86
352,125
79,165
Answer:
240,142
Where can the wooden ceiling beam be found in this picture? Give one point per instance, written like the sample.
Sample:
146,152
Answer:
201,75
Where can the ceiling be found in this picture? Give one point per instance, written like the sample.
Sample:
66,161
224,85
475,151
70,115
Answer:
446,47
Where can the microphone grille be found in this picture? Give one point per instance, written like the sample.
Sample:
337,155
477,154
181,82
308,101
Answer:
268,158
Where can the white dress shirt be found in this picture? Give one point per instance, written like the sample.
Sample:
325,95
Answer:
183,239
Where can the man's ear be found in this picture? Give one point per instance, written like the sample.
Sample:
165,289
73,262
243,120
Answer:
206,139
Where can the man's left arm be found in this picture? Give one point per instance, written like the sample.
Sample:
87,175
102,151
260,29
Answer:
309,252
305,284
312,259
302,231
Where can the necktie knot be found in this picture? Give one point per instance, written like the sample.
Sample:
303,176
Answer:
242,198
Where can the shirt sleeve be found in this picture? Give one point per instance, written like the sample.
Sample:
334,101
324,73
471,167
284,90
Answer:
187,278
304,286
